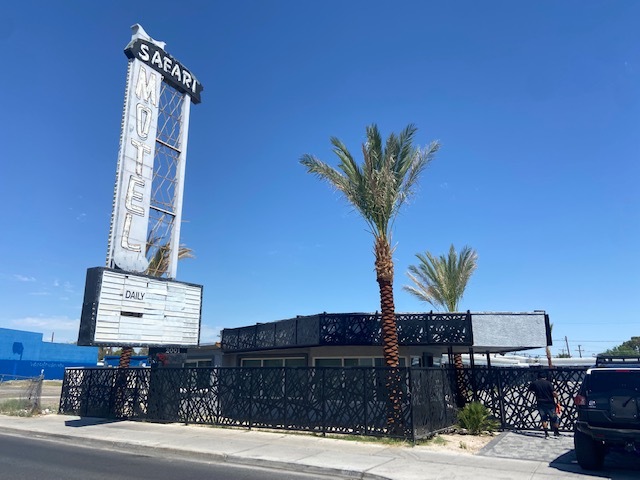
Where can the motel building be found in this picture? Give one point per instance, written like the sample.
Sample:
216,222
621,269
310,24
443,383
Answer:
355,339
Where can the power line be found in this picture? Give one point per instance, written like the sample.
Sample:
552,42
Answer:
577,324
590,341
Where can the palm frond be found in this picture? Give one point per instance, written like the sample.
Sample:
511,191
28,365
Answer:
159,261
441,281
383,182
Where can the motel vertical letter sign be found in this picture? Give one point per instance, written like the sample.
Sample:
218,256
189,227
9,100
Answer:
133,191
134,301
149,67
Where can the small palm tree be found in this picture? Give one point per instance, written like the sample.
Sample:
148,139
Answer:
441,281
377,189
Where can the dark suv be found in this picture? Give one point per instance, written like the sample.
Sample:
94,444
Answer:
608,406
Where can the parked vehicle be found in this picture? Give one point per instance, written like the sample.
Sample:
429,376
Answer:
608,405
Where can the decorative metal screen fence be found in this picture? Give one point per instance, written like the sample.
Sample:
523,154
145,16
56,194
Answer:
505,392
350,329
325,400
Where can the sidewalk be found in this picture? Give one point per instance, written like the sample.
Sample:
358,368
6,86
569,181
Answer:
501,459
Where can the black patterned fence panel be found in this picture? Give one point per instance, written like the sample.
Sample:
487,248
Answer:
432,401
201,394
325,400
105,392
234,397
350,329
567,383
131,392
505,392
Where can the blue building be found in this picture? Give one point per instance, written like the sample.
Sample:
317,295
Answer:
25,354
136,361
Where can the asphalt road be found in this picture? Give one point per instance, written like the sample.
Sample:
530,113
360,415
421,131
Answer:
40,459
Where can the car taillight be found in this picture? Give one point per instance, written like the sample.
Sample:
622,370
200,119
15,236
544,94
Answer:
580,400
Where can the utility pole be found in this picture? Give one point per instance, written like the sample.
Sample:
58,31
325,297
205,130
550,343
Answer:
580,350
567,342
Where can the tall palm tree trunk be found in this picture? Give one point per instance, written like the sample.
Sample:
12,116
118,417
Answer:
384,277
389,327
460,383
125,357
395,422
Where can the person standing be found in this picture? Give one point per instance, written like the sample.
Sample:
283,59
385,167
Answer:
546,399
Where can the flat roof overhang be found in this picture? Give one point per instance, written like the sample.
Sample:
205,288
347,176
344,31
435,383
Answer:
440,333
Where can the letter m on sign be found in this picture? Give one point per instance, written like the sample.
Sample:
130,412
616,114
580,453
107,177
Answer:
146,86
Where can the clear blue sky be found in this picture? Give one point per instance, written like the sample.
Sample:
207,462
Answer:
536,104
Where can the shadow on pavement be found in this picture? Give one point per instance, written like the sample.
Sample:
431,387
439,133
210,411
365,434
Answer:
88,421
618,465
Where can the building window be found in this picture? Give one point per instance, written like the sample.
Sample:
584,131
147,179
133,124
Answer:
354,362
273,362
295,362
251,363
198,363
328,362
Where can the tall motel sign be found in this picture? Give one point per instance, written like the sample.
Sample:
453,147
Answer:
135,300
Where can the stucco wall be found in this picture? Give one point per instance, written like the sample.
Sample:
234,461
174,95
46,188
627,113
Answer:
25,354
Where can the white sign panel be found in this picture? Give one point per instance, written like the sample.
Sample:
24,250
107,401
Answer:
134,310
135,173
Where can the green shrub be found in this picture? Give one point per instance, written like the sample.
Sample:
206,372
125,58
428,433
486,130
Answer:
476,418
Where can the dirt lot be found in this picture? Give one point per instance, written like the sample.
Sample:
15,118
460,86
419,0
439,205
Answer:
51,390
50,398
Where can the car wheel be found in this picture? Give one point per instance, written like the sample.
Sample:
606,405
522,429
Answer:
589,452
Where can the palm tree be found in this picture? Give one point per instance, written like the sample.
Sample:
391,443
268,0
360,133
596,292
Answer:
377,189
441,281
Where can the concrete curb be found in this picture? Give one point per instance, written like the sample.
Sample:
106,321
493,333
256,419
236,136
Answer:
206,457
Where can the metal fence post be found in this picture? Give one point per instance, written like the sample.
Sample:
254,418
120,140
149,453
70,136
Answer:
251,395
286,397
324,406
365,400
503,420
410,404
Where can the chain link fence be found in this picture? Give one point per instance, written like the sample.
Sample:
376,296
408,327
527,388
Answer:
20,395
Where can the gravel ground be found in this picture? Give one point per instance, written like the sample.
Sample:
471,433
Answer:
458,443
